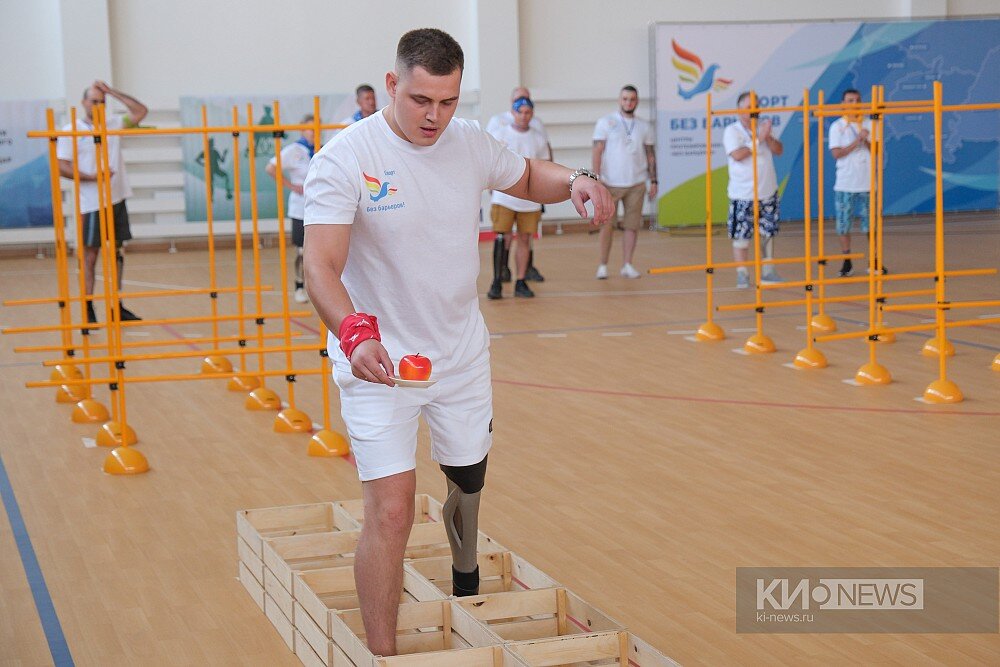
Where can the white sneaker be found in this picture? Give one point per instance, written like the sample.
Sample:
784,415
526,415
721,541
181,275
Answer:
629,271
301,296
771,278
602,272
742,280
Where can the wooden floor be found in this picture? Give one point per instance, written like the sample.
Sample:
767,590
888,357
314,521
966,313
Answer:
634,466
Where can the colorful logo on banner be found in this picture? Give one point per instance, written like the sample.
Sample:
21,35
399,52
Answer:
378,189
691,71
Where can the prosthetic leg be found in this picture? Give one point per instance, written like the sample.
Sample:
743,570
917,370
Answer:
461,520
300,283
499,264
124,313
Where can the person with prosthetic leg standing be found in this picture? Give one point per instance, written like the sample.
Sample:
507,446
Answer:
391,260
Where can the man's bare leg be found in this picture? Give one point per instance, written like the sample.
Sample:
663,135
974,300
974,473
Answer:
378,564
629,238
606,231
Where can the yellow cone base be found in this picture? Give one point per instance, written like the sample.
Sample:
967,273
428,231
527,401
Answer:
72,393
291,420
873,374
328,443
996,363
932,348
710,331
110,435
943,391
810,358
885,336
263,399
65,372
216,365
243,384
759,344
125,461
823,324
89,411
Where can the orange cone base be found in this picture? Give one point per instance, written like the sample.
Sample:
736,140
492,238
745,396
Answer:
243,383
823,324
932,348
89,411
110,435
710,331
291,420
759,344
125,461
996,363
263,399
873,374
810,358
328,443
885,336
943,391
216,365
72,393
65,372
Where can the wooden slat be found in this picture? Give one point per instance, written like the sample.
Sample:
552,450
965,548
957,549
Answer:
252,586
567,650
280,622
249,558
278,592
510,605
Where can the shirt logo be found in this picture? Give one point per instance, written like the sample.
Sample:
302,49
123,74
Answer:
378,189
691,70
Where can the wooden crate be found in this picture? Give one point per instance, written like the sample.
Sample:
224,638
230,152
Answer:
437,633
599,648
256,524
323,593
498,572
252,586
536,614
281,623
250,560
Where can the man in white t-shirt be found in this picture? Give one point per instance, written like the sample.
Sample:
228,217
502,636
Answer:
738,144
294,165
90,206
506,211
505,119
364,95
850,143
392,209
625,157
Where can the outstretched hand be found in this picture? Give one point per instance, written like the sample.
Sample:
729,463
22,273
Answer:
370,362
587,189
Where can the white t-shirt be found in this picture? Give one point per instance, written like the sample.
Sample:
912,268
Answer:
741,171
295,163
507,118
623,163
853,170
87,157
414,252
530,144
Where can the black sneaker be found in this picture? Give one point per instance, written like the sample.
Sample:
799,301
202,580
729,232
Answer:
533,275
127,315
521,289
91,315
496,290
505,274
847,269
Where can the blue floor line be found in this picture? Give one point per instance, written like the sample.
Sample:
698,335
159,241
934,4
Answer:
43,602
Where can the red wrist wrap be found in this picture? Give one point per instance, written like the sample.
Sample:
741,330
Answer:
355,329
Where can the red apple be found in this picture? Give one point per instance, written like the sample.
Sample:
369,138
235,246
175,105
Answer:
415,367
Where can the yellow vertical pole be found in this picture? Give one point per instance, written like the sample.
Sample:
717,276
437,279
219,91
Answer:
58,225
213,363
822,322
108,252
941,390
877,199
80,245
810,357
758,342
709,330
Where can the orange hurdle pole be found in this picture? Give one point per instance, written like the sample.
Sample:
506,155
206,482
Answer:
709,330
821,322
809,357
878,199
758,343
212,363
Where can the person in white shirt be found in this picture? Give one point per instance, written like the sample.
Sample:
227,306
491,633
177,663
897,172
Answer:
738,144
624,155
295,159
506,119
94,94
364,95
528,142
850,143
391,219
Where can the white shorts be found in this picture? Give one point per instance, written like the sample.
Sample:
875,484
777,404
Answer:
382,421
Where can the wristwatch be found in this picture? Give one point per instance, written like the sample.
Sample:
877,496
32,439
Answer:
581,172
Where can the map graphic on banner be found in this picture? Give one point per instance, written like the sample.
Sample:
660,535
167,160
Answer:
25,185
778,61
221,158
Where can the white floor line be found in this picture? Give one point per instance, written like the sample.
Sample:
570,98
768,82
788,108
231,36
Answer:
740,350
693,339
982,317
745,330
792,366
616,333
852,382
682,332
552,335
89,443
496,336
921,399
